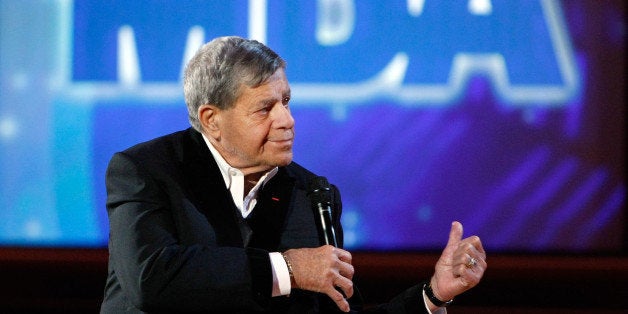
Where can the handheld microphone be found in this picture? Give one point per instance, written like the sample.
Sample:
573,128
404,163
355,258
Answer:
320,196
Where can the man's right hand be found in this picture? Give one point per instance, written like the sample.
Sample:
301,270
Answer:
321,270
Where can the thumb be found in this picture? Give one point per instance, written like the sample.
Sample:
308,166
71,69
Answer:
455,235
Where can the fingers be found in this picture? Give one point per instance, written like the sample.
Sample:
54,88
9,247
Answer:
461,265
345,269
339,299
338,285
475,240
341,290
469,262
345,284
343,272
325,269
343,255
455,235
472,246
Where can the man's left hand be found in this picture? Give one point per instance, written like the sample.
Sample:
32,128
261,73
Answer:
460,266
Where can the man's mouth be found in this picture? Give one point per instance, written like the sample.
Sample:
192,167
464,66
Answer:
285,137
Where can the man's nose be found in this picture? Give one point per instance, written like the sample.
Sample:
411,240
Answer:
282,117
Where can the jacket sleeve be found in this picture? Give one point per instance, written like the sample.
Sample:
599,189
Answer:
407,302
155,270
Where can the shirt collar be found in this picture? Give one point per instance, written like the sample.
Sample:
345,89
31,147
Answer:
228,172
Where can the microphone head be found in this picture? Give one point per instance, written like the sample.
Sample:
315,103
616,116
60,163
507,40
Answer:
319,191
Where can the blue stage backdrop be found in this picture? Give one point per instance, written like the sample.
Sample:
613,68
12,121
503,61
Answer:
508,116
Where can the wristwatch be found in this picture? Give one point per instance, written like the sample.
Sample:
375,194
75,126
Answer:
427,287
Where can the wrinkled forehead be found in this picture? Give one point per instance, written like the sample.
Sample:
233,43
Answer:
254,80
275,85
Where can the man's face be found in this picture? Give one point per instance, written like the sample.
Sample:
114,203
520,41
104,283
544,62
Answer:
257,133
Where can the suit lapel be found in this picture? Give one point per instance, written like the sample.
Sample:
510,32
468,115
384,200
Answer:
268,218
208,190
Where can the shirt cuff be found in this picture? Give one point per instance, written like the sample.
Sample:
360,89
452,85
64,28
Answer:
440,310
281,276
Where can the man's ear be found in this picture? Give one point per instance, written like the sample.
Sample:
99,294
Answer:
208,116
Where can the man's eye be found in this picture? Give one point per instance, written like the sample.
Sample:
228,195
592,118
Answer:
286,100
266,109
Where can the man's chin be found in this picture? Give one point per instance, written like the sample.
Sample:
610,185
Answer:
284,160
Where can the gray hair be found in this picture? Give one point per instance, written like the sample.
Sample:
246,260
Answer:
218,69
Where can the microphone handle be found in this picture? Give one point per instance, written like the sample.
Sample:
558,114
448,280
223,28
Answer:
328,231
329,235
327,226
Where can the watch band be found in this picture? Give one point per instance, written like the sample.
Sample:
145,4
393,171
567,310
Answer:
427,287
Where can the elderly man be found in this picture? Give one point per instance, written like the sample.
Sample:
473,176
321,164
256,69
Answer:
216,218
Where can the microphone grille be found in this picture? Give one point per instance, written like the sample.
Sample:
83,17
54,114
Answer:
319,190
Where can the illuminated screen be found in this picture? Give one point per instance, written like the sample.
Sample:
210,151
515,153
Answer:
505,115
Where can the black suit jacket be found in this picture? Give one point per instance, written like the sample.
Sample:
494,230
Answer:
178,244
